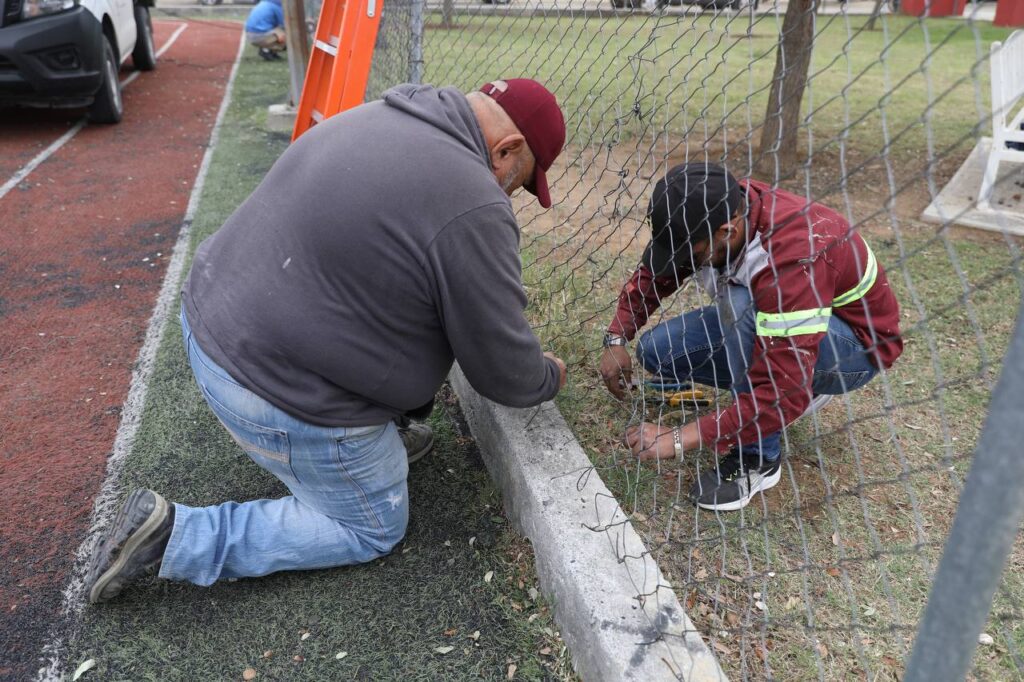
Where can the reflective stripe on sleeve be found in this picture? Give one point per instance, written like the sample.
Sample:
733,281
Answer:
863,286
813,321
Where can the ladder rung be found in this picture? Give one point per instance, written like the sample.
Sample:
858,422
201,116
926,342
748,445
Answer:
326,47
317,116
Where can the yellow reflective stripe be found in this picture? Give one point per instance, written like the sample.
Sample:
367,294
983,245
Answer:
813,321
865,284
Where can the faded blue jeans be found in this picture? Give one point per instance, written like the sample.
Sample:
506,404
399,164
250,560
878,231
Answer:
713,346
349,500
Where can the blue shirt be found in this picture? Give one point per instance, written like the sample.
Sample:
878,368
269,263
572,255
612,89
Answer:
265,17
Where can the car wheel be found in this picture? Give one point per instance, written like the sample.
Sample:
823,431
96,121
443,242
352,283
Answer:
107,106
618,4
144,54
209,2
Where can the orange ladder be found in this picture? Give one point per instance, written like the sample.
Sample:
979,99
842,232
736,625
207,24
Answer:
339,63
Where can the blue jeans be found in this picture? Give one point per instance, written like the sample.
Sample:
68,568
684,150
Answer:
713,346
349,500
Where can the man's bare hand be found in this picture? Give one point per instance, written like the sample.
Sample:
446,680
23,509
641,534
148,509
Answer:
563,373
616,370
650,441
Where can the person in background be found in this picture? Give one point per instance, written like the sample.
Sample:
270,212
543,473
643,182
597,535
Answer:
265,29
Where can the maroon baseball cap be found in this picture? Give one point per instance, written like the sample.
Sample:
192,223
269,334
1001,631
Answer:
535,112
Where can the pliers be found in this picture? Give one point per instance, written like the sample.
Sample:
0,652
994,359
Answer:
679,394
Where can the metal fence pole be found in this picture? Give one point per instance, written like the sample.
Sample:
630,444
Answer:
416,45
987,520
298,46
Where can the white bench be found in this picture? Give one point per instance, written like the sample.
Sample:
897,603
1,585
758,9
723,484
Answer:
1007,61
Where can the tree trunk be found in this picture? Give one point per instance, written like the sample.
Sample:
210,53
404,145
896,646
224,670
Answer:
874,15
779,136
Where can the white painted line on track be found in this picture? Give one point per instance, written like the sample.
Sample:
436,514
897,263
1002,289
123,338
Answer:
25,170
105,506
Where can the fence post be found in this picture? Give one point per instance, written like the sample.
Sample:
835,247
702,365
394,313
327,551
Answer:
988,518
416,44
298,46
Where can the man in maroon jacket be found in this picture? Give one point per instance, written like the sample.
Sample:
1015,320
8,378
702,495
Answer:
802,312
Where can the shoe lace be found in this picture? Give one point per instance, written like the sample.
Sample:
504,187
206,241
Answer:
729,469
736,465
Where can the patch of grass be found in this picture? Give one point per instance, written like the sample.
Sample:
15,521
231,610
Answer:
708,76
388,616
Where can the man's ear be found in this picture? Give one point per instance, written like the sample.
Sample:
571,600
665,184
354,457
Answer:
724,232
731,228
508,145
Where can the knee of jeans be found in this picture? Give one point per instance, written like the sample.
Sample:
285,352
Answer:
390,534
650,350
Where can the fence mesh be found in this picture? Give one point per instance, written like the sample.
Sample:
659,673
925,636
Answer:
826,574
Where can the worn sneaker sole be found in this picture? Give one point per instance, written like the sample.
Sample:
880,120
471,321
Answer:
135,513
422,452
764,484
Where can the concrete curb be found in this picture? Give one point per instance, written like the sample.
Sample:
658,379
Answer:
555,498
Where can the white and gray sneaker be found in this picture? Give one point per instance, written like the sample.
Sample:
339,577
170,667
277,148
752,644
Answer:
735,482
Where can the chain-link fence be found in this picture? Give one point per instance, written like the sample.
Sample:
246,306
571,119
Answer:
826,574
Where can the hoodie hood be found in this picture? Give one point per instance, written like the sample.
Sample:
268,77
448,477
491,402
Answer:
447,109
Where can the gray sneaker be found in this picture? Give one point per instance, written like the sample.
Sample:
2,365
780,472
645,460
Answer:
418,440
134,545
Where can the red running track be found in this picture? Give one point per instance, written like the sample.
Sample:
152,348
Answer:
84,244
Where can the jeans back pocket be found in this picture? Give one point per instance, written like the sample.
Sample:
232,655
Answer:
259,442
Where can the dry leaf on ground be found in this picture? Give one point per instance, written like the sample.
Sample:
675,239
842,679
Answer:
83,668
444,649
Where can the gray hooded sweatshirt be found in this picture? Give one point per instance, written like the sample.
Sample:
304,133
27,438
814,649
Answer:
377,249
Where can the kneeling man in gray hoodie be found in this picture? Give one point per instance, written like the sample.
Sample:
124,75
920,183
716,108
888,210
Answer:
328,310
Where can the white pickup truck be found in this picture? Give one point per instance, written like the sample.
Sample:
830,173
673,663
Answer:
67,53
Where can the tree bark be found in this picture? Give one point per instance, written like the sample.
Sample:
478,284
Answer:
875,13
780,134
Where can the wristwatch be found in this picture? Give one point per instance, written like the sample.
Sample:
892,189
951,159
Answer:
613,340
